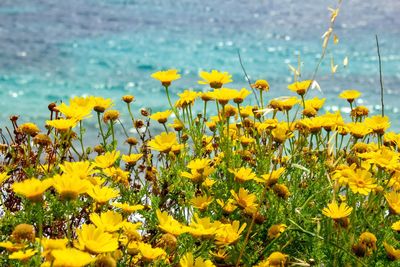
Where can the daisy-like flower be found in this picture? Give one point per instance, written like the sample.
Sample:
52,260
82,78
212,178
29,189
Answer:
261,85
100,104
166,77
276,230
314,103
70,187
215,78
201,202
50,245
245,200
131,159
276,259
71,257
243,174
396,226
110,221
350,95
149,253
81,169
189,261
33,189
378,124
361,182
22,255
95,240
107,160
300,87
29,128
75,112
228,206
62,125
163,142
229,234
203,227
271,179
169,225
125,207
393,199
186,98
161,116
223,95
392,253
102,194
337,212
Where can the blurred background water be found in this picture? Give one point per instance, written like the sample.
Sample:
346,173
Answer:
51,50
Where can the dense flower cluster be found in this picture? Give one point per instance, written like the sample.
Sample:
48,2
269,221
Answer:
233,185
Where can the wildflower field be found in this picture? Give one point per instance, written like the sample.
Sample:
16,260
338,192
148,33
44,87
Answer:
276,183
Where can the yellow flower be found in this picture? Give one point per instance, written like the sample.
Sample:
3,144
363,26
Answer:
361,182
163,142
300,87
288,103
127,208
276,259
100,104
52,244
33,189
162,116
106,160
3,177
169,225
70,187
109,221
245,200
276,230
22,255
223,95
81,169
227,207
215,78
281,133
11,246
396,226
151,254
95,240
177,125
71,257
378,124
242,94
392,253
368,239
82,102
29,128
314,103
75,112
166,77
118,175
201,202
243,174
229,233
111,115
271,179
189,261
203,227
350,95
393,199
337,212
102,194
62,125
358,130
186,98
261,85
359,112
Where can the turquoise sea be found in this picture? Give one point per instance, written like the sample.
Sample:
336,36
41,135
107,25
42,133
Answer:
51,50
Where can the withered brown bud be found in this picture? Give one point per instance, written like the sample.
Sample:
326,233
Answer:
184,137
14,118
51,106
23,232
144,112
42,140
132,141
138,124
99,149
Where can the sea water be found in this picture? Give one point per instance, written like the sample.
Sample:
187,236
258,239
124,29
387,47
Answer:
51,50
